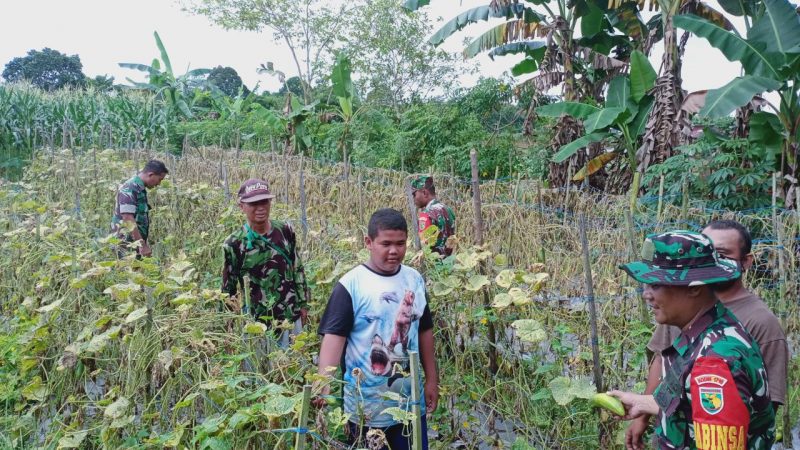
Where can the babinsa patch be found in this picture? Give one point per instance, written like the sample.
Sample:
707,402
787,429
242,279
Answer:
712,398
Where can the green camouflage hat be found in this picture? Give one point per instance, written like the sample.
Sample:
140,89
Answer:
681,258
422,182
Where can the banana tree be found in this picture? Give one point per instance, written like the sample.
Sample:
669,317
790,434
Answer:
619,122
343,90
770,59
568,44
177,91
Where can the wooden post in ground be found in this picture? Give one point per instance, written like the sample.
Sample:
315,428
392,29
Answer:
416,400
303,216
300,439
587,269
660,198
629,225
494,187
478,223
685,200
360,198
412,209
286,181
783,307
225,182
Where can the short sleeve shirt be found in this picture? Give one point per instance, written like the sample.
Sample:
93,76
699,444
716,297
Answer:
762,325
278,288
714,391
443,218
132,199
381,316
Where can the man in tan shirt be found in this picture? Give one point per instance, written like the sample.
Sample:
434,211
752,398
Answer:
732,241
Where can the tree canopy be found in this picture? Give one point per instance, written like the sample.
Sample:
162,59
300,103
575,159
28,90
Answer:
47,69
227,80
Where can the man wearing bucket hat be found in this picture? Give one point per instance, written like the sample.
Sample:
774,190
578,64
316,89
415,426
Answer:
713,392
437,222
266,251
731,241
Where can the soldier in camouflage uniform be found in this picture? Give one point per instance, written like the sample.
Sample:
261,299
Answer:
132,207
266,251
435,219
713,393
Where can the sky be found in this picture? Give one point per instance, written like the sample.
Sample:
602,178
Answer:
106,32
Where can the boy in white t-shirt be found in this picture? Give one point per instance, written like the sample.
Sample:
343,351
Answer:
376,314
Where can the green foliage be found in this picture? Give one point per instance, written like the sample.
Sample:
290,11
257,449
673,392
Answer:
101,83
47,69
227,80
728,173
293,85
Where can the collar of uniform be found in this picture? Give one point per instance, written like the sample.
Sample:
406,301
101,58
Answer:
252,236
687,337
431,203
138,180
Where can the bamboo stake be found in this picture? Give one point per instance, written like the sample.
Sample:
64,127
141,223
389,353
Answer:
300,438
413,210
632,255
660,198
685,200
476,203
360,197
415,401
587,269
494,188
784,307
303,216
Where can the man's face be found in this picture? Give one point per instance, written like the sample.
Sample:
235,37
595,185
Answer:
387,250
421,198
152,180
668,303
257,213
729,245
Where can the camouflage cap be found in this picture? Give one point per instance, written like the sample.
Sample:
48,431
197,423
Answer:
681,258
254,190
422,182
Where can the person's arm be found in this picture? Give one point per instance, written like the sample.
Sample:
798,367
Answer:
230,277
130,219
330,354
636,404
300,282
334,326
426,354
638,426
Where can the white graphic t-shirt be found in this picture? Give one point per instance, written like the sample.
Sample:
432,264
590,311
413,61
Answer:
381,316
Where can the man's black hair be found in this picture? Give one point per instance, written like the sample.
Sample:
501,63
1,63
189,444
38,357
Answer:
386,219
155,166
745,240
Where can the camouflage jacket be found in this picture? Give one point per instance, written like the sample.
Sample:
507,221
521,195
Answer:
278,288
714,394
436,214
132,199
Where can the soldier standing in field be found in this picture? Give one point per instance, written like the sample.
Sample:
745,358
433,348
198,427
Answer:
434,214
132,212
713,392
732,241
266,251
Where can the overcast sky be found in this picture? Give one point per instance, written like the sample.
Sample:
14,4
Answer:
106,32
